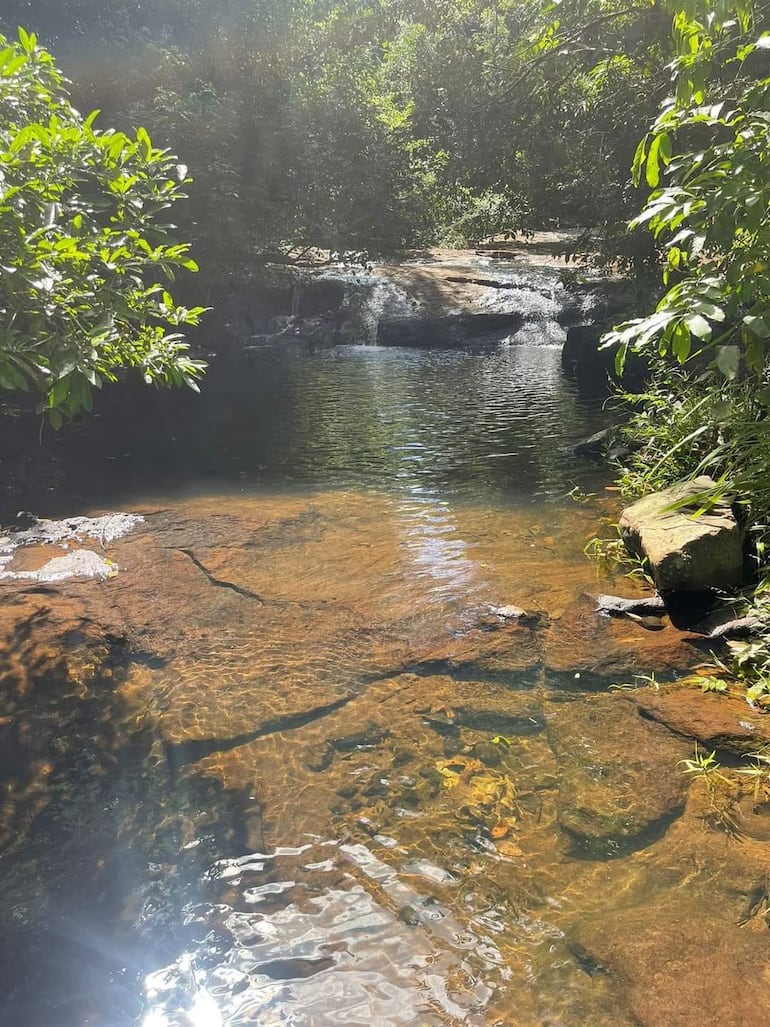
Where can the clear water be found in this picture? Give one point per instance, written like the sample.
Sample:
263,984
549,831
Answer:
293,765
498,424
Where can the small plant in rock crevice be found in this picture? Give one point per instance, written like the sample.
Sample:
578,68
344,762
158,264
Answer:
721,793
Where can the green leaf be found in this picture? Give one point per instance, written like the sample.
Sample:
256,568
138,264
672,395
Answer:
28,40
652,168
698,326
143,140
728,360
757,326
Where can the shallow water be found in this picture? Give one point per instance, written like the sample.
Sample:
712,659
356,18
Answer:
294,763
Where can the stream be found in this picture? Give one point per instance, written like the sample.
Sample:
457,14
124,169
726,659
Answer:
339,738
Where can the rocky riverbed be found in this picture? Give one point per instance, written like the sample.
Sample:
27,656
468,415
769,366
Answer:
290,733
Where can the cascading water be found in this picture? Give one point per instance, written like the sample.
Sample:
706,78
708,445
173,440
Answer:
448,301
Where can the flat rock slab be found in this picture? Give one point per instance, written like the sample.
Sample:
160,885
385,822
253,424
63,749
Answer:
680,968
685,552
618,788
715,721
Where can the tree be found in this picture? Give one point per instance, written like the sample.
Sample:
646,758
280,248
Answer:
81,245
706,159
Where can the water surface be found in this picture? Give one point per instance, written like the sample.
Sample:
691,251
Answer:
296,762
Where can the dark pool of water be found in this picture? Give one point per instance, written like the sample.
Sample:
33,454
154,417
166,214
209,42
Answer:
500,425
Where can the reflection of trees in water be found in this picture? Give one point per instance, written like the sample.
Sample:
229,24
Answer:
100,848
504,420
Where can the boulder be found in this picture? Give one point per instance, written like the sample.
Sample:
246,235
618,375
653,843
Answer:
685,550
583,357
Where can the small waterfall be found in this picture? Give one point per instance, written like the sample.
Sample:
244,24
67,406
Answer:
369,299
444,302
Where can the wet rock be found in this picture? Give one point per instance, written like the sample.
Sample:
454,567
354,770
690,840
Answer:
80,563
714,721
488,753
501,715
617,788
452,745
500,615
643,605
459,330
346,791
481,706
585,650
685,552
582,356
595,446
658,953
409,916
740,627
508,612
318,762
402,755
372,734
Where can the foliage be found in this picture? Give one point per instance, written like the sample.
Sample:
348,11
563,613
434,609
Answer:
722,793
710,146
377,126
79,237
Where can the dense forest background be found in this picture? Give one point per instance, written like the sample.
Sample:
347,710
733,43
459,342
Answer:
374,126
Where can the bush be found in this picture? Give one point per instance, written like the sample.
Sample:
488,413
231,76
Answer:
81,246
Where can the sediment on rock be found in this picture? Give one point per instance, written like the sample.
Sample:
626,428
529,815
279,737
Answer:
618,794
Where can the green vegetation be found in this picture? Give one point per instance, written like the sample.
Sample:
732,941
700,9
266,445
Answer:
380,125
79,237
707,159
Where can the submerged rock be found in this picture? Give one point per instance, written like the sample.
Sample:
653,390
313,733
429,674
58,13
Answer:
715,721
658,952
685,550
617,791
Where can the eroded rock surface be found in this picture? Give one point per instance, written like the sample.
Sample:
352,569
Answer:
317,712
658,953
618,790
715,721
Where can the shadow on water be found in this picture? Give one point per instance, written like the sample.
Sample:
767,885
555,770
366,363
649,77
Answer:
500,424
101,843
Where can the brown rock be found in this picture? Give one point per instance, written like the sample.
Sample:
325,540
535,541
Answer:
617,788
715,721
681,967
685,552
